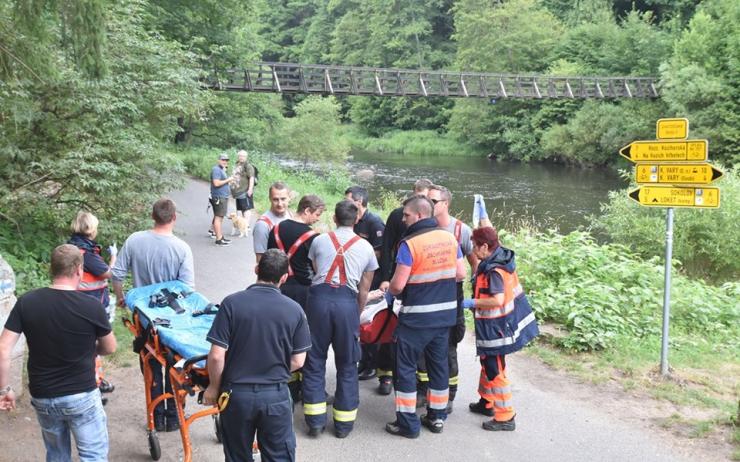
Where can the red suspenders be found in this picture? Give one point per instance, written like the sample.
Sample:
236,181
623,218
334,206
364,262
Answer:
293,248
338,263
267,221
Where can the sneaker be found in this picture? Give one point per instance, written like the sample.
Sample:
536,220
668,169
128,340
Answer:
211,234
394,429
222,242
480,407
106,387
385,386
496,426
223,238
367,374
434,425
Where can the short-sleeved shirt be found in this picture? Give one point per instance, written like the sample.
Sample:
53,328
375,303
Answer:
370,227
359,259
290,231
153,258
61,328
261,231
218,173
261,329
240,184
466,235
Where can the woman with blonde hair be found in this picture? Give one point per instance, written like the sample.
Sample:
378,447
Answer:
95,273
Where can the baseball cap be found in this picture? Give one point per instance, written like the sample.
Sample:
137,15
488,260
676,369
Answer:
223,157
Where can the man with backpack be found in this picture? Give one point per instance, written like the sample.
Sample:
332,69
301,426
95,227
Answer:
242,185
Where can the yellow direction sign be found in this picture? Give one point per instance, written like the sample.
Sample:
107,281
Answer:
661,150
676,129
676,173
666,196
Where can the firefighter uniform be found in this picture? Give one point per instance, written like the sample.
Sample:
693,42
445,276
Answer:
428,312
340,259
500,331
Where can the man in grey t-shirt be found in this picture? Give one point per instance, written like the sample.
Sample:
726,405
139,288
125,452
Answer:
153,256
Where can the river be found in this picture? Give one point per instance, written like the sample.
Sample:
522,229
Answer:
548,195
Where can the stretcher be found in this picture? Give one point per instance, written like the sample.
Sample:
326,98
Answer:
170,323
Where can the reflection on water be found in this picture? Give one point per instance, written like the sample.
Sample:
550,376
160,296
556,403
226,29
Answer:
551,195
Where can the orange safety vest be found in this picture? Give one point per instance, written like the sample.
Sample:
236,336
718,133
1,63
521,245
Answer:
338,263
293,248
430,296
508,328
91,282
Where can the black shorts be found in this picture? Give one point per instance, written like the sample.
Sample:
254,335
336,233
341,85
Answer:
244,204
220,206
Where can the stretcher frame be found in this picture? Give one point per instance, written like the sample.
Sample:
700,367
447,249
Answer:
186,381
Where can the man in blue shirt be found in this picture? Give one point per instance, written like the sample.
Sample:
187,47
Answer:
220,197
266,335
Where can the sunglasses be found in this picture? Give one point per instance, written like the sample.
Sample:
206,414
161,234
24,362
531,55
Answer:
435,201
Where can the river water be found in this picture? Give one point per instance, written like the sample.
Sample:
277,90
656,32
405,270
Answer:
548,195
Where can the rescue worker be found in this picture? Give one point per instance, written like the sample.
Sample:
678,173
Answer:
343,264
279,202
441,197
428,264
294,237
94,277
392,234
370,227
257,338
504,323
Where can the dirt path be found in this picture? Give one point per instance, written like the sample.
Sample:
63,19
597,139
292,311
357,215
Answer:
559,418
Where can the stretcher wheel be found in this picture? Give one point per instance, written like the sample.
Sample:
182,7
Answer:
154,450
218,427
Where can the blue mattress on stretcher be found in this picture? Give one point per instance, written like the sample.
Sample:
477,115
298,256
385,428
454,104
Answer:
186,334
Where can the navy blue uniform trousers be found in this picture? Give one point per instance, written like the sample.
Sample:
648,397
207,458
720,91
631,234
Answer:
266,410
410,344
333,319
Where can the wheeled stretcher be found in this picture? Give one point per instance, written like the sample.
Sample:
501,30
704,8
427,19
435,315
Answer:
170,323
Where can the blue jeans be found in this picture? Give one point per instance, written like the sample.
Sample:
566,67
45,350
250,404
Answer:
83,415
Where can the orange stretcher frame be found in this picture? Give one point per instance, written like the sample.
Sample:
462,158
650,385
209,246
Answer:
182,383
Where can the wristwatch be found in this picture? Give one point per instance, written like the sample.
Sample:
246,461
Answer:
6,390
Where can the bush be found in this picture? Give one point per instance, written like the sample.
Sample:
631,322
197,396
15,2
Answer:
706,242
602,292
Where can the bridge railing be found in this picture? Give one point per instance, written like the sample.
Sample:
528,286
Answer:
344,80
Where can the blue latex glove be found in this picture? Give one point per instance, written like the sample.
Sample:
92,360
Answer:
468,303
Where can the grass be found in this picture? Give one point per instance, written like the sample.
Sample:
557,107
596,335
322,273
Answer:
410,143
124,356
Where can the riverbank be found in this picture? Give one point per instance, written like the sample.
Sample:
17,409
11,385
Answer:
602,306
409,142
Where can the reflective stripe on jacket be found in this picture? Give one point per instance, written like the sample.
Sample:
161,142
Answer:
508,328
430,295
91,282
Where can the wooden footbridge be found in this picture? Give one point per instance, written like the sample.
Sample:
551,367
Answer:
369,81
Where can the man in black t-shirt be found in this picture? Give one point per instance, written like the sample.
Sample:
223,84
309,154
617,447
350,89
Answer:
266,335
294,237
64,329
370,227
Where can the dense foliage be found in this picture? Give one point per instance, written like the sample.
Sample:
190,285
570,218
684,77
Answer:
706,242
601,292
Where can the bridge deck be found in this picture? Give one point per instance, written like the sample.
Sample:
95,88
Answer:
343,80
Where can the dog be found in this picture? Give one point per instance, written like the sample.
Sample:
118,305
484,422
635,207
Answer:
239,225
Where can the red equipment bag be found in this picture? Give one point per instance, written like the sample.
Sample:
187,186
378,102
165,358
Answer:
381,328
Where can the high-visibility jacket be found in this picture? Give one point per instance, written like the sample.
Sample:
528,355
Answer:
91,282
508,328
430,295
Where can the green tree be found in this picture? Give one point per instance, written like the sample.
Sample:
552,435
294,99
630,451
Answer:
313,134
701,81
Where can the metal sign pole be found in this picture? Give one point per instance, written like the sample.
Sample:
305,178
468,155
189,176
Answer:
667,291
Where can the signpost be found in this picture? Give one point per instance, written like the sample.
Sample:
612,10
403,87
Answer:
693,173
673,170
